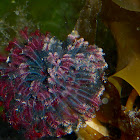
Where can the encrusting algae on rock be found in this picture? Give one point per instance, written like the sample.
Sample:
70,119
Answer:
49,87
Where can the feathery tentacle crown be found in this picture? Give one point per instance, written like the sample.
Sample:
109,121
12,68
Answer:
49,87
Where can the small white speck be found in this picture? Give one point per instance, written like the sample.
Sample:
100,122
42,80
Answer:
8,59
16,109
18,100
23,102
19,93
16,12
105,100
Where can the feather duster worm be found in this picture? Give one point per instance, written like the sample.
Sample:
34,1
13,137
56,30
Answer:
49,87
